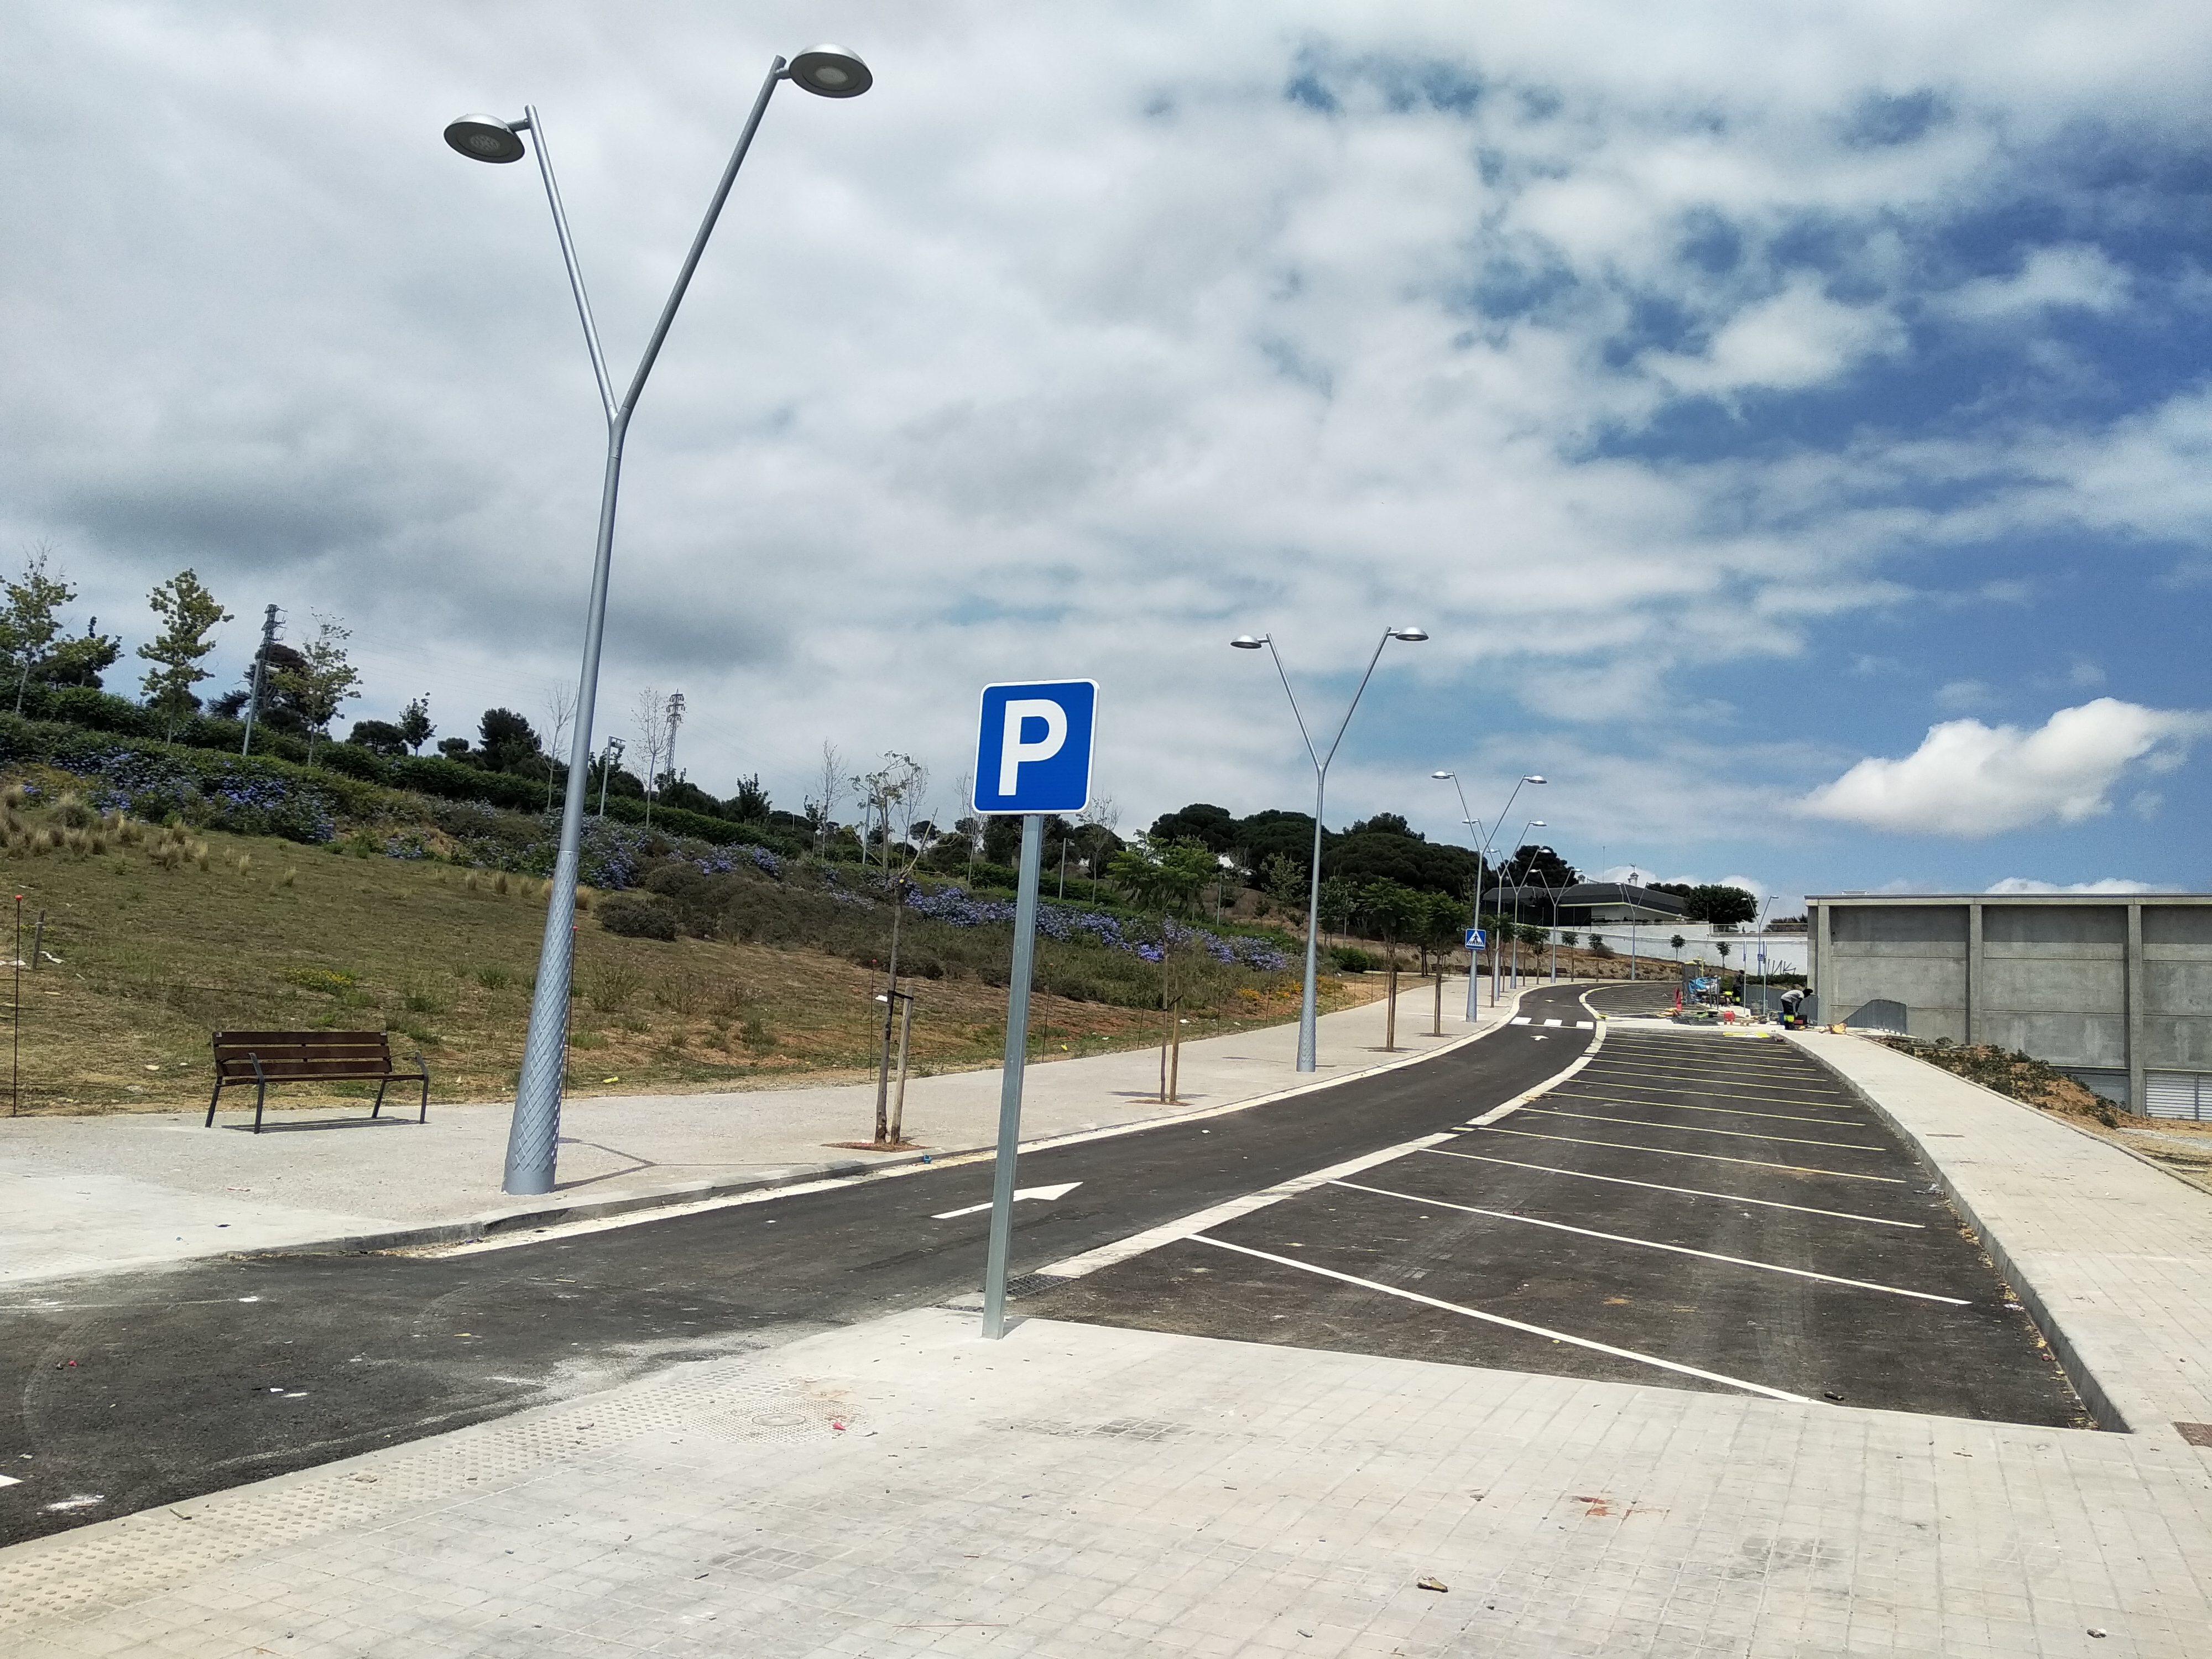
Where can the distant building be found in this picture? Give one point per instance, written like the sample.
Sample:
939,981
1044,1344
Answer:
1600,901
2115,992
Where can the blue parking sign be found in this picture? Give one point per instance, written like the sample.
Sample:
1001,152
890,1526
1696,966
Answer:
1033,747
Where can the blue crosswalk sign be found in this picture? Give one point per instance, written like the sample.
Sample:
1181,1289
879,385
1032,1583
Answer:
1476,939
1033,748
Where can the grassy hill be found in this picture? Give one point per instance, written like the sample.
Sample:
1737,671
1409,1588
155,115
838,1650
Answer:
165,934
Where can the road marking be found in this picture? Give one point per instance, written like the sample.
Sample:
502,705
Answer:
1676,1106
1510,1324
1570,1024
10,1480
1699,1129
1654,1244
1708,1157
1172,1232
1692,1192
1504,1108
1721,1086
1045,1192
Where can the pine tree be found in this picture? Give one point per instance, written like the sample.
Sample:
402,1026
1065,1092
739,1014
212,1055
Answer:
189,615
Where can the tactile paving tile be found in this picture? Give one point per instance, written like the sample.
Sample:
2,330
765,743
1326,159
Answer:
120,1562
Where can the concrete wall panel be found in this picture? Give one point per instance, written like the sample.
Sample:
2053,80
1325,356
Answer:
2177,924
2038,924
2063,1039
1898,924
2042,984
2178,1043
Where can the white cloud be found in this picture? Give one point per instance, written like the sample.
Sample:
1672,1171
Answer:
2109,884
1957,696
1798,338
1968,779
2077,277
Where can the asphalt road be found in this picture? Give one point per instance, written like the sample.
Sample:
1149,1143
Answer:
138,1388
1690,1210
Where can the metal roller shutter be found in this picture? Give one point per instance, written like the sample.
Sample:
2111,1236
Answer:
2177,1094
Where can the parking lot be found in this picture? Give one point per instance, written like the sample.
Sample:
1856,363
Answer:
1688,1209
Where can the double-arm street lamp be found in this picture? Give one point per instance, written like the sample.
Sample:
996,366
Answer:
1520,842
1483,849
1307,1035
830,72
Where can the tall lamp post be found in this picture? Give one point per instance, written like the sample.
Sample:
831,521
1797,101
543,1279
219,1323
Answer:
1307,1036
535,1133
1520,842
1483,849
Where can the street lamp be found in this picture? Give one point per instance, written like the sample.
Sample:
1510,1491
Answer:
1307,1036
1520,842
535,1133
1483,849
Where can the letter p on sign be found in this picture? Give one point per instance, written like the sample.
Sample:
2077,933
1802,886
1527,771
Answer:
1033,747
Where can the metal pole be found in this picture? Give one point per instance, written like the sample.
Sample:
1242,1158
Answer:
260,674
534,1135
898,1100
1009,1086
890,1010
1308,1034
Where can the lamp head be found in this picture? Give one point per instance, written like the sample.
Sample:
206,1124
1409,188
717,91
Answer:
1411,635
1443,774
1246,643
1532,778
831,72
485,138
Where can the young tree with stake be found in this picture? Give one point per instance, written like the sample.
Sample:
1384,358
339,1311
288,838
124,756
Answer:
189,616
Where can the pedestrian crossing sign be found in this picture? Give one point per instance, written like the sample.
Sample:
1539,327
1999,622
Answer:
1476,939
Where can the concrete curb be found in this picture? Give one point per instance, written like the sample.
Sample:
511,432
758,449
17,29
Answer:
2101,1406
476,1229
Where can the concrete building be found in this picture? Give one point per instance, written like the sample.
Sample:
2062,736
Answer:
2116,991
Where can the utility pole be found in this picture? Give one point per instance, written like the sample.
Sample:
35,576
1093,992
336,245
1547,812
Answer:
260,676
613,758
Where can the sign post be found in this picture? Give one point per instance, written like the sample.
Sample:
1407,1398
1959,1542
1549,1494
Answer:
1033,751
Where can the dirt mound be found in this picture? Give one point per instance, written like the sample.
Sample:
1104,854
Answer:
2022,1076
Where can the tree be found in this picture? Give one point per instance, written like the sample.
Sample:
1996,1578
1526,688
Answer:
1715,901
560,715
414,727
29,625
751,804
1438,928
1284,879
651,714
507,742
1165,877
896,795
189,616
378,737
822,808
81,659
324,681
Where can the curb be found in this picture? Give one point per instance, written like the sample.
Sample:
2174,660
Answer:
2102,1407
476,1229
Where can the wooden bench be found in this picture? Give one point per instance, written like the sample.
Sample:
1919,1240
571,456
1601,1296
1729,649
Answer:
262,1058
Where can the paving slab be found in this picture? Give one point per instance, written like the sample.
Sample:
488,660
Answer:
904,1486
2111,1254
90,1194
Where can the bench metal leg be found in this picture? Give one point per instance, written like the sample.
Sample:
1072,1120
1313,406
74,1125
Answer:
212,1099
424,1117
260,1090
382,1085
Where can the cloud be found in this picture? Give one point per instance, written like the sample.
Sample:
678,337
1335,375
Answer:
2080,277
2109,884
1971,779
1957,696
1798,338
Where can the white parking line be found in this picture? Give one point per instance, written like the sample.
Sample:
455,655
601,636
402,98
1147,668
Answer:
1762,1097
1654,1244
1691,1192
1677,1106
1708,1157
1511,1324
1699,1129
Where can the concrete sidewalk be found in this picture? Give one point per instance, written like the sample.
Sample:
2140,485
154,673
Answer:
86,1195
903,1487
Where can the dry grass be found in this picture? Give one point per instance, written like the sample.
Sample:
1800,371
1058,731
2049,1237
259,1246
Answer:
165,936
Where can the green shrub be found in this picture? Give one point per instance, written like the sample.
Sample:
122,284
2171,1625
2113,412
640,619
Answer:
1351,959
637,915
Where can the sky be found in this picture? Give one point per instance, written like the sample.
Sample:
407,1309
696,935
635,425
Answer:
1791,425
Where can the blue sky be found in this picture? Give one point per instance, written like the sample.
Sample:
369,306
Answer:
1791,424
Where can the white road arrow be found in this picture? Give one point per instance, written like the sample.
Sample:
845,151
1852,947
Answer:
1020,1192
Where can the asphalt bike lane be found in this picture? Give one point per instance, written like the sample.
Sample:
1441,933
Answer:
144,1387
1689,1210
